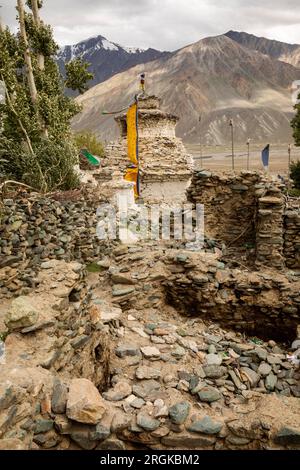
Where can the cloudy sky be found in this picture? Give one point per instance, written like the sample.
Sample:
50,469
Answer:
165,24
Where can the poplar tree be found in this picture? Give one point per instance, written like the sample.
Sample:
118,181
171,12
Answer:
36,143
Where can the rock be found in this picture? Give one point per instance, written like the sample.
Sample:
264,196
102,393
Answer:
43,425
179,412
59,397
144,372
209,394
150,352
147,389
261,353
178,352
160,409
251,376
121,279
111,444
214,359
82,436
84,403
120,421
124,350
120,291
12,444
21,314
237,441
80,341
270,382
287,436
186,441
120,391
206,426
236,380
214,371
101,432
295,344
146,422
264,369
273,359
212,349
109,314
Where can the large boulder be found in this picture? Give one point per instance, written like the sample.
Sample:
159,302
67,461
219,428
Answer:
85,404
21,314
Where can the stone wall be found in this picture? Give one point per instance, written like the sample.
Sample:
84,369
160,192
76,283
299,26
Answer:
34,229
262,303
249,208
292,236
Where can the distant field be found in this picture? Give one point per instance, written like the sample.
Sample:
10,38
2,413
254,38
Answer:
221,157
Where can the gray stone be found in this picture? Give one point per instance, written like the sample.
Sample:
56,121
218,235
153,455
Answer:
150,352
118,292
147,389
273,359
287,436
209,394
59,397
43,425
214,359
124,350
212,349
270,382
178,352
120,391
101,433
264,369
186,441
251,375
120,421
295,344
146,422
144,372
80,341
261,353
179,412
214,371
111,444
206,426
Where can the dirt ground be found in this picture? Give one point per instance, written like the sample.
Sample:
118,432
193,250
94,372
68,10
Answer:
220,158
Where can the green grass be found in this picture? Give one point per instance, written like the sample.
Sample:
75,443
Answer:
94,268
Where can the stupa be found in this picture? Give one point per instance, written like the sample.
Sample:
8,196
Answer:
164,165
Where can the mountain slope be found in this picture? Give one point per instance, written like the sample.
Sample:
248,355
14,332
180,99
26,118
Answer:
106,58
215,77
289,53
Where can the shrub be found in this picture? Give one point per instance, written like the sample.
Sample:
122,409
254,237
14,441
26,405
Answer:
295,173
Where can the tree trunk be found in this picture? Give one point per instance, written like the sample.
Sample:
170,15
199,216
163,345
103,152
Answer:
27,56
37,20
1,24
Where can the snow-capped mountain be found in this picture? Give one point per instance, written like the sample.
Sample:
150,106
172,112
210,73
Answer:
107,58
215,77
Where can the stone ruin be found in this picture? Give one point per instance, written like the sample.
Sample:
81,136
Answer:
157,346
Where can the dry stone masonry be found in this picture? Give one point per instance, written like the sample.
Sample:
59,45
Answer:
162,346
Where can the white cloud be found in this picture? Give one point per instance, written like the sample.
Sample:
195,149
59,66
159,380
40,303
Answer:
165,24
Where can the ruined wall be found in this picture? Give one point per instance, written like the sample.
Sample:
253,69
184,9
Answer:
249,208
264,303
34,228
229,203
292,237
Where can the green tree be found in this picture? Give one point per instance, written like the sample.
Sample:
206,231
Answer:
295,173
36,143
77,75
296,123
88,140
